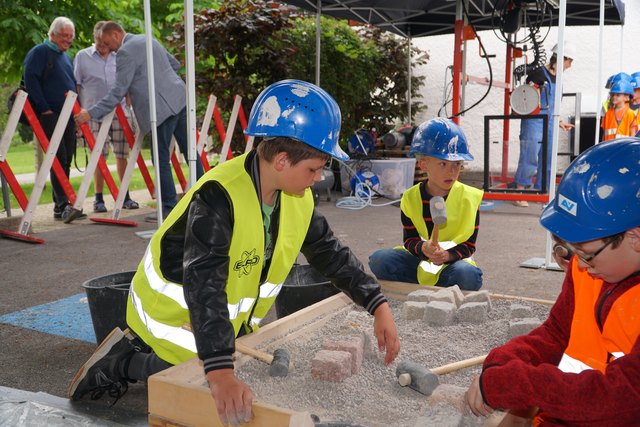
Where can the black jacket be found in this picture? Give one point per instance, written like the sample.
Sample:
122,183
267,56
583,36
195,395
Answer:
194,252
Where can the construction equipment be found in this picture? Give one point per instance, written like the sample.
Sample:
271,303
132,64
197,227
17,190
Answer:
417,377
279,361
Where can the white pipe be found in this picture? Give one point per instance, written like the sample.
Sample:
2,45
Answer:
409,78
596,137
152,105
318,34
192,151
556,117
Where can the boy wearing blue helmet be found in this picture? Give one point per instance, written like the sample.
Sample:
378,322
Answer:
215,266
441,149
582,366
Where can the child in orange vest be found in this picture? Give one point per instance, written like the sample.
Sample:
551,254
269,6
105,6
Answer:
582,365
620,119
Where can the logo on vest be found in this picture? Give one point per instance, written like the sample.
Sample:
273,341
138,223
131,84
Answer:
248,260
567,205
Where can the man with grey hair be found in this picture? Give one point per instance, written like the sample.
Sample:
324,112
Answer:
48,76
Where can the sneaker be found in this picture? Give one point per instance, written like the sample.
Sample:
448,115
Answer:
69,214
521,203
130,204
99,206
101,373
57,213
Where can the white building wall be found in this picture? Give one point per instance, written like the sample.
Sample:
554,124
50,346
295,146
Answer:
581,77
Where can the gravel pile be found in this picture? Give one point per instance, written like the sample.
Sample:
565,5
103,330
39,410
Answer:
373,396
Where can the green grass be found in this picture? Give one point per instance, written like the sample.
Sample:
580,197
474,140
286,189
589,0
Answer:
21,160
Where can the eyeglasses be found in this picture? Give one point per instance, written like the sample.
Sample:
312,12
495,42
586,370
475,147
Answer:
566,251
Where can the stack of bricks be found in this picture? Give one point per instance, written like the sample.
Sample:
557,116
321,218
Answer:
447,306
338,359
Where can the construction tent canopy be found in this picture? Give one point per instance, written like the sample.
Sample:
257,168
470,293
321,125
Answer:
417,18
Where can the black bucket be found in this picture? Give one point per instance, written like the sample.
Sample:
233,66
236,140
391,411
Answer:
303,287
107,297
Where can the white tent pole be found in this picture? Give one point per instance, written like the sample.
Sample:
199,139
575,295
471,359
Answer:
556,116
192,150
596,137
152,105
409,74
318,34
621,47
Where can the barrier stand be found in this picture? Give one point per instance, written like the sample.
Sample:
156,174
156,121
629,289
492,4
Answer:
225,153
47,163
204,132
131,139
124,185
5,142
32,118
94,160
7,173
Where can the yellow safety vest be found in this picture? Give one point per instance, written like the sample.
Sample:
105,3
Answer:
462,204
156,308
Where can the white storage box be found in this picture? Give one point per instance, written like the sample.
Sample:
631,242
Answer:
396,175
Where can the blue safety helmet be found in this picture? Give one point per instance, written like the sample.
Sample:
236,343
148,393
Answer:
622,86
599,194
616,78
440,138
635,80
299,110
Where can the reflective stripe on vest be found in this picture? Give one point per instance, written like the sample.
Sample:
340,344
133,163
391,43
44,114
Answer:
588,348
157,309
462,204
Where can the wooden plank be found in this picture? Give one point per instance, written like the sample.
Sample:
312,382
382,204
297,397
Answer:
180,396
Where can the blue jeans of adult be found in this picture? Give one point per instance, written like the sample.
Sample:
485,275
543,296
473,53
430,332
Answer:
402,266
530,147
173,126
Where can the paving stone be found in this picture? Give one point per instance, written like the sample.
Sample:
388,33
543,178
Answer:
472,312
353,345
331,365
421,295
523,326
479,296
457,294
439,313
521,311
450,394
444,295
413,310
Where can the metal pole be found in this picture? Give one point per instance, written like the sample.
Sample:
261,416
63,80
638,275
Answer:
409,77
192,149
318,34
599,82
556,116
152,105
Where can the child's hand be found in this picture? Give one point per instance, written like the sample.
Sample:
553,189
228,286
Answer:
435,253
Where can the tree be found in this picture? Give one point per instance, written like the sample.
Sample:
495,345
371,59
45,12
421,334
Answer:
243,46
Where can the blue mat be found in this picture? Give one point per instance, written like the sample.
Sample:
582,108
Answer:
68,317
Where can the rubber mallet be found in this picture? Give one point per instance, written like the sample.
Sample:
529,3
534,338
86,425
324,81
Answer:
416,377
438,215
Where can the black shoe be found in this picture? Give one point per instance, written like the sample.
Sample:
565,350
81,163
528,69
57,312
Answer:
69,213
102,373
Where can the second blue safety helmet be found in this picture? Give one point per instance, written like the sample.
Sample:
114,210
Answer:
622,86
440,138
298,110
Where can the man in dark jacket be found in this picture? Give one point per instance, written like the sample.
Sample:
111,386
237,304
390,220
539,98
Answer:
48,76
219,260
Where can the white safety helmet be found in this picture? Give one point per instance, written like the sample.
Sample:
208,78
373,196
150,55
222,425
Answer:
569,50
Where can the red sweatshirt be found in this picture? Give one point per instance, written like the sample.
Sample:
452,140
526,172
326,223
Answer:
523,373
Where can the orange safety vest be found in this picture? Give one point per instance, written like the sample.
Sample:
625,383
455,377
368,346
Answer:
614,128
588,347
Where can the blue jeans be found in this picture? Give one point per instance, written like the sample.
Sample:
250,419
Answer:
401,266
173,126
